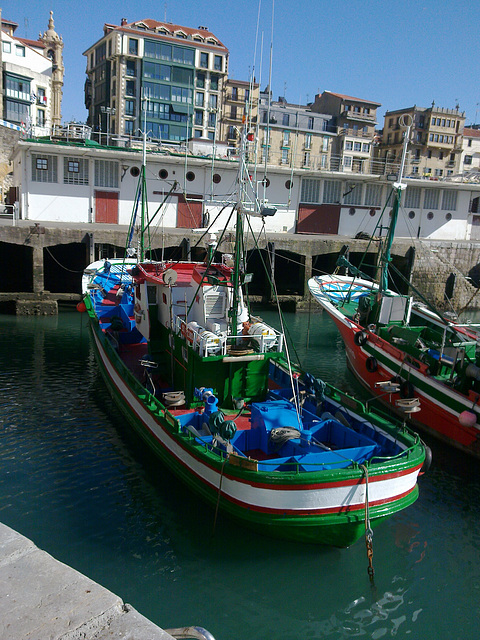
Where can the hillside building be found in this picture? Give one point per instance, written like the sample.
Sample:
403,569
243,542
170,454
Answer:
292,135
32,74
179,70
435,147
355,120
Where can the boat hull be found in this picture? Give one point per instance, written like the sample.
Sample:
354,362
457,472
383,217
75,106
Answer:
376,361
326,507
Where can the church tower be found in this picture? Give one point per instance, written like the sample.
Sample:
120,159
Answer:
54,51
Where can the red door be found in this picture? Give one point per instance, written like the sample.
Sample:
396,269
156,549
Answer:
318,218
106,207
189,212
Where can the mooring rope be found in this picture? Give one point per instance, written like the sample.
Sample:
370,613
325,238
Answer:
368,529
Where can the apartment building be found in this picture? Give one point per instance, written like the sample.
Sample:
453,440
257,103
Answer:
240,107
293,135
179,71
470,159
355,121
32,79
435,145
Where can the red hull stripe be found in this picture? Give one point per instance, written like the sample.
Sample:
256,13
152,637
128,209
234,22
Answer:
260,485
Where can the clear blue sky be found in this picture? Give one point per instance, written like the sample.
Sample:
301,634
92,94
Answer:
394,52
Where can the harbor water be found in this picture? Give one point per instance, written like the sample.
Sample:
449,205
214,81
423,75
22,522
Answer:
79,484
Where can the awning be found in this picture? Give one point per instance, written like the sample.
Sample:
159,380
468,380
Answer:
180,108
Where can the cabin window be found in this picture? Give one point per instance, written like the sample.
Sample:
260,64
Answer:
152,294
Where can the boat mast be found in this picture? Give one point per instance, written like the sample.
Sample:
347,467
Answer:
398,187
141,252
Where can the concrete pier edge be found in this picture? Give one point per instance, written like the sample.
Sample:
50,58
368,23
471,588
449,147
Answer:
42,598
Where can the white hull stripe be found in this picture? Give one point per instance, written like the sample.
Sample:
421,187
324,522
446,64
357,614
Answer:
297,500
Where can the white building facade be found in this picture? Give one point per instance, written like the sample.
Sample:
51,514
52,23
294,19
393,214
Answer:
78,183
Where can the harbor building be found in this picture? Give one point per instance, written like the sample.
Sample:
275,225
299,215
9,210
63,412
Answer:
355,120
180,70
76,182
435,149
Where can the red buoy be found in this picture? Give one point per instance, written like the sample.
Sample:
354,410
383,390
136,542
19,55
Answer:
81,307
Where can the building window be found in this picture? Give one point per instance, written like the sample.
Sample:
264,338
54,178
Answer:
332,191
308,141
347,161
286,120
40,118
285,156
310,123
214,82
247,95
201,80
218,63
373,195
6,47
131,68
233,112
212,119
357,146
438,173
412,197
353,194
44,168
199,118
204,60
183,55
286,138
306,159
129,107
197,133
199,99
431,199
19,51
449,200
468,159
129,127
213,101
310,191
130,88
75,171
106,173
133,46
366,147
232,133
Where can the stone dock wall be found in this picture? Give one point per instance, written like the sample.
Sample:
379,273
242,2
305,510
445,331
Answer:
434,262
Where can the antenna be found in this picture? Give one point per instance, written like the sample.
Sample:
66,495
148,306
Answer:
165,17
25,22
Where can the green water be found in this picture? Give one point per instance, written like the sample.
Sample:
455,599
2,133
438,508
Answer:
75,481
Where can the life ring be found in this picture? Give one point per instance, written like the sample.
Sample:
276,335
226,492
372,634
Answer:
360,338
406,390
371,364
183,329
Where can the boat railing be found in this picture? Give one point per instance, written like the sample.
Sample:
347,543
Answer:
207,343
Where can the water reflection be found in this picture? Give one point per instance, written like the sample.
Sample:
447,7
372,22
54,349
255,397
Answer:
75,480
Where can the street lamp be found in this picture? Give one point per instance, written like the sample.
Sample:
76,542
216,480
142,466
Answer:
110,111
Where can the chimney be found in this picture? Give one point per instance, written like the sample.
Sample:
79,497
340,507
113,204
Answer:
124,22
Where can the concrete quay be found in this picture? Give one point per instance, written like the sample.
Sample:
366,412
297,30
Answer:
43,599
